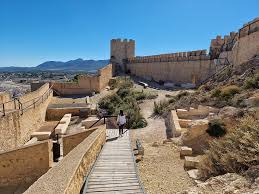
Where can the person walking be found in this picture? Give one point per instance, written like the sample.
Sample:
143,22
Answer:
121,121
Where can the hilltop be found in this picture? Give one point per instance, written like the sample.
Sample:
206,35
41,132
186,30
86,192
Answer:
72,65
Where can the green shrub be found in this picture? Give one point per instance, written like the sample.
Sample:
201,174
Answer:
144,95
160,107
140,95
151,95
125,99
229,91
182,94
216,92
172,100
216,128
252,82
237,151
123,92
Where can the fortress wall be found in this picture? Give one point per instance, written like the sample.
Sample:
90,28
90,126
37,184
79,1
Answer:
174,71
246,48
25,164
16,128
86,83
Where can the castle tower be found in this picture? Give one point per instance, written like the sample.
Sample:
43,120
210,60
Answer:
120,51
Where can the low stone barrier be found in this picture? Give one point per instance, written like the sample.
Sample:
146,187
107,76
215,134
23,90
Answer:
55,114
174,125
68,175
72,140
25,164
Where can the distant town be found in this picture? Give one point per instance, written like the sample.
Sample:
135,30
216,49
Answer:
18,83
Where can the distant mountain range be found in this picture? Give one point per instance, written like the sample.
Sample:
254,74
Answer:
73,65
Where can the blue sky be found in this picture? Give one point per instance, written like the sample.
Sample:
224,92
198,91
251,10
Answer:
35,31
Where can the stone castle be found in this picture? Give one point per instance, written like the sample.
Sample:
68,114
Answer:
188,67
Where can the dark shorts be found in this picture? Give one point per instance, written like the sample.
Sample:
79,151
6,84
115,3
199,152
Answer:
121,126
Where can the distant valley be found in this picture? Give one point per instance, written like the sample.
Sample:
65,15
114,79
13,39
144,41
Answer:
72,65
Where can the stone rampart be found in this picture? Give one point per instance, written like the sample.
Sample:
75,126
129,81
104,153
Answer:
25,164
17,125
188,71
68,175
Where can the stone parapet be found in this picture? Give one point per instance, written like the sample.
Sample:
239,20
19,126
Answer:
69,174
25,164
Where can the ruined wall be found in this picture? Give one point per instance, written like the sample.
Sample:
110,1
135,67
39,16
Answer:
16,126
186,67
86,83
25,164
69,174
105,74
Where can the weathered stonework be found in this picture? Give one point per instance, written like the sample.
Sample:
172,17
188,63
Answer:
16,127
189,67
25,164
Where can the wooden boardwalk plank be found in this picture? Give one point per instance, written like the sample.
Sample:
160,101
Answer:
114,171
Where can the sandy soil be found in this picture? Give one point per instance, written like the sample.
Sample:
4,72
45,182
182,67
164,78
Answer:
161,170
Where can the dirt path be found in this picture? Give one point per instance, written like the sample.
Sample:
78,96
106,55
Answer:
161,170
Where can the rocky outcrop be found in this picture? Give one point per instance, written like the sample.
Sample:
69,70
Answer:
225,184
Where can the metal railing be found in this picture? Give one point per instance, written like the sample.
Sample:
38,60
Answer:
103,117
16,104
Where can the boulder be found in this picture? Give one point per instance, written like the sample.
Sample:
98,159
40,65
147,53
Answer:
185,151
229,111
194,174
226,184
196,136
191,162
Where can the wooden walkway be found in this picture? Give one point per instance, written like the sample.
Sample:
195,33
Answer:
114,171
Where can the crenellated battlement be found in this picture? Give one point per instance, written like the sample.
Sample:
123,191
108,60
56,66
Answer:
219,44
171,57
119,40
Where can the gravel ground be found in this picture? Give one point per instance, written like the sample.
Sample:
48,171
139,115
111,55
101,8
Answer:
161,170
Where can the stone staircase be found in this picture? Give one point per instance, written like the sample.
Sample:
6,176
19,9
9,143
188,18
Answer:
114,171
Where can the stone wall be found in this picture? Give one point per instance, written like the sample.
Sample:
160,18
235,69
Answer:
120,51
239,46
246,48
55,114
195,66
185,71
86,83
16,126
26,164
72,140
68,175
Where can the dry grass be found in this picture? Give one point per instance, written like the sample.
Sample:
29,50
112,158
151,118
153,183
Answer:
235,152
